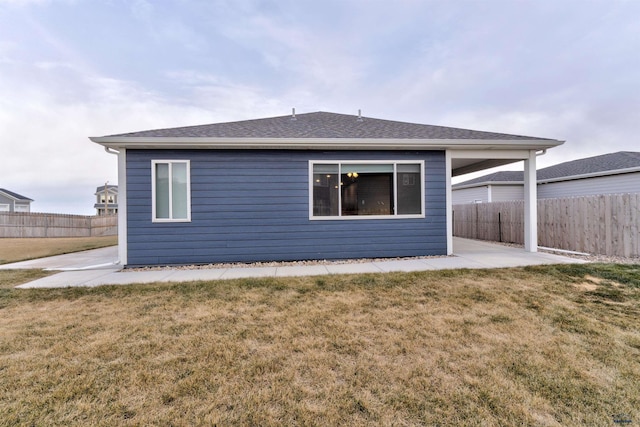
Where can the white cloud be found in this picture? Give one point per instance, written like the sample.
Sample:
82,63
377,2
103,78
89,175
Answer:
45,133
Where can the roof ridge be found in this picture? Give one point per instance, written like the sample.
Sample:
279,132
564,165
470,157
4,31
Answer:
324,125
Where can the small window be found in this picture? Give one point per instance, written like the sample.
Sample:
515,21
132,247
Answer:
171,190
4,207
366,189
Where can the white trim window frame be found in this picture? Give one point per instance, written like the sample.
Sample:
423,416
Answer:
5,207
171,190
339,169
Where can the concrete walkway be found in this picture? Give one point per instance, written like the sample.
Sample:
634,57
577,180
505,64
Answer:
98,267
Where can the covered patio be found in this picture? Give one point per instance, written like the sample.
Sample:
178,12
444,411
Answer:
461,162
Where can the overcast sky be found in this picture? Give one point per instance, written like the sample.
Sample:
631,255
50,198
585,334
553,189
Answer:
562,69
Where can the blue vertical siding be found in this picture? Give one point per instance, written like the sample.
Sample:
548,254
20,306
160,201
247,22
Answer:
249,206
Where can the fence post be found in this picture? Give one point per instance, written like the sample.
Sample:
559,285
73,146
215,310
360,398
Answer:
453,222
477,223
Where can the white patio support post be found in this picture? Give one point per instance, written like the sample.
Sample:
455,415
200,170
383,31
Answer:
122,206
530,204
449,207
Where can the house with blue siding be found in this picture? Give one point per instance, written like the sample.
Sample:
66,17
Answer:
298,187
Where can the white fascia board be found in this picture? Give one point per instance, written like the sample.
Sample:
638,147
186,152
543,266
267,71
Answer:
514,152
117,142
8,196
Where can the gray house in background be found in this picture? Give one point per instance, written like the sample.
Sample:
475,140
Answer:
613,173
106,200
308,186
14,202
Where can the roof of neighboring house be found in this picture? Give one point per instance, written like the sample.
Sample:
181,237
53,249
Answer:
323,125
591,165
496,177
15,196
110,188
605,164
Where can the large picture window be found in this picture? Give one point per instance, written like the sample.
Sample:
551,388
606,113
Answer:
350,189
171,190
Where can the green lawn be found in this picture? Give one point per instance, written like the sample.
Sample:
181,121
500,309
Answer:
538,346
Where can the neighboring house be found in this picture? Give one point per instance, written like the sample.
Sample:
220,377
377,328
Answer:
106,200
612,173
14,202
496,187
312,186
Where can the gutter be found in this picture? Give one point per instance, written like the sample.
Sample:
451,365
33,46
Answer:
116,142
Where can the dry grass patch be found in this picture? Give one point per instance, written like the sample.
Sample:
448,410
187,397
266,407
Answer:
9,279
14,250
490,347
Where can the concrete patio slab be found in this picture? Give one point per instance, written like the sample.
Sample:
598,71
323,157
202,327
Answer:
452,262
244,272
92,259
197,275
359,268
91,270
68,279
403,265
303,270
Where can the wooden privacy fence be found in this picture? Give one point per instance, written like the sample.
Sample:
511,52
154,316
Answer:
56,225
604,224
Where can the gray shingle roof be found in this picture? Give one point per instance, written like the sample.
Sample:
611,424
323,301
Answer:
15,195
324,125
502,176
591,165
602,163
